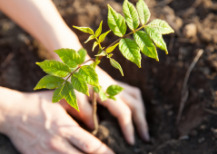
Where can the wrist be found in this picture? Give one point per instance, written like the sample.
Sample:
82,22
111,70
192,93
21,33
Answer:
6,103
63,39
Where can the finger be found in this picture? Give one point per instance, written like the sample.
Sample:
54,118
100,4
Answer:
85,110
60,145
122,112
86,142
138,114
134,91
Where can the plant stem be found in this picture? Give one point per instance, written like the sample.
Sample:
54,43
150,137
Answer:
95,121
125,36
91,59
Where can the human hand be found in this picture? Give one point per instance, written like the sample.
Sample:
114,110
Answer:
36,126
129,106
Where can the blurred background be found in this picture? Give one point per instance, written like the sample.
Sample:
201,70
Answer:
161,83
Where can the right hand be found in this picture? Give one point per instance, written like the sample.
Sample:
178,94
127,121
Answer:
37,126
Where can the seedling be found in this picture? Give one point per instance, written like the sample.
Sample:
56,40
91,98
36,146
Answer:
146,38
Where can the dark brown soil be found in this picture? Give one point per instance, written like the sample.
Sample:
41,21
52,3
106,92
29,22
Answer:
160,82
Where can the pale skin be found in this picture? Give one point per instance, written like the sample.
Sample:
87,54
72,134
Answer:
36,125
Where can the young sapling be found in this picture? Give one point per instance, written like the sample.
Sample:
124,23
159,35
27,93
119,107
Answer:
146,38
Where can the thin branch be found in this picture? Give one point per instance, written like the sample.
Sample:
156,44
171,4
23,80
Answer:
210,111
91,59
95,121
125,36
185,91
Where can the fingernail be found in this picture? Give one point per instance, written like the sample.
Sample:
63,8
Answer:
146,137
131,140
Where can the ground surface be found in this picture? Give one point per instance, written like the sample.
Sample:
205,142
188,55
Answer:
195,23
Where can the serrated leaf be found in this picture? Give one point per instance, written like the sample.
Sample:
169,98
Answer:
85,29
70,96
99,30
116,65
95,63
102,95
58,94
156,38
131,15
94,45
143,11
103,53
116,22
54,67
102,37
66,92
88,73
110,49
91,37
130,51
82,52
69,57
112,97
79,84
146,45
161,26
114,90
49,82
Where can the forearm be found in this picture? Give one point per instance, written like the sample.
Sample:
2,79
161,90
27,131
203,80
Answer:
41,19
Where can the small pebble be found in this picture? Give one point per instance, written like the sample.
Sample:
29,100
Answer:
201,140
185,137
203,127
194,133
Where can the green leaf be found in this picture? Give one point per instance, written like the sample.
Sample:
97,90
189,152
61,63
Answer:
99,30
146,45
94,64
70,96
102,95
115,64
54,67
103,53
116,22
49,82
110,49
89,75
82,52
114,90
69,57
131,15
91,37
102,37
79,84
97,89
156,38
66,92
94,45
58,94
143,11
112,97
85,29
109,55
161,26
130,51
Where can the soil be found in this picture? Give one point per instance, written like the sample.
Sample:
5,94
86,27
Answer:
161,83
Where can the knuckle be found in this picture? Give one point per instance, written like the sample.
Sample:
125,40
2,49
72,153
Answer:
52,143
126,114
137,90
88,147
